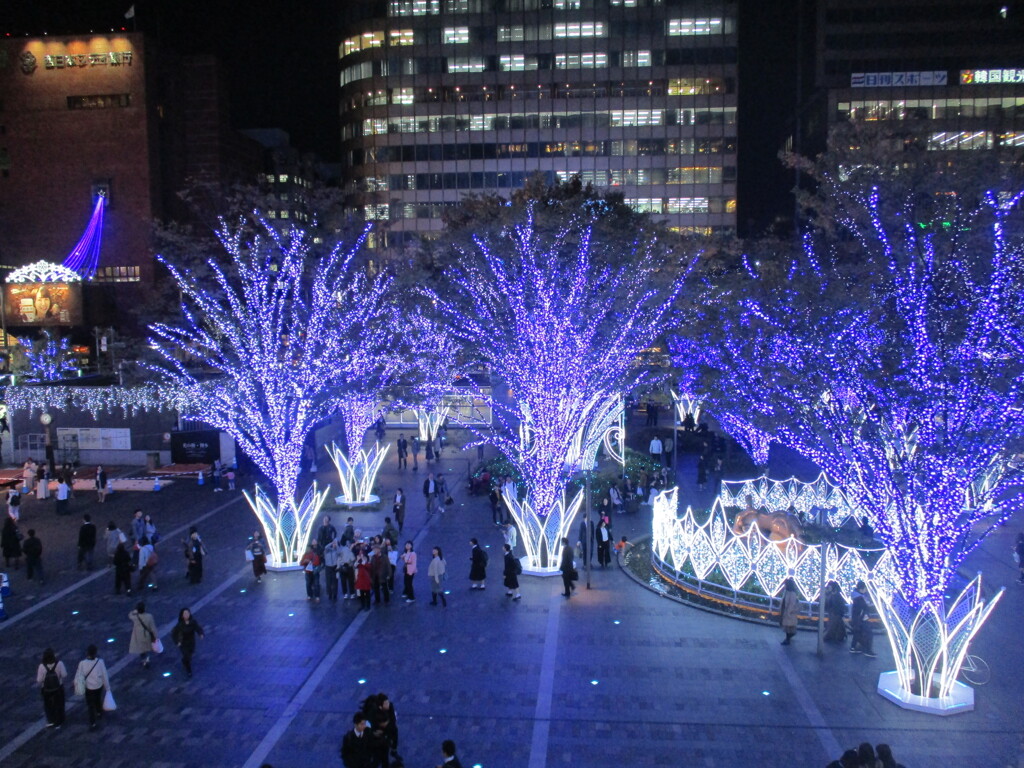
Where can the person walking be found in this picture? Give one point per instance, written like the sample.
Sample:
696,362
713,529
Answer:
32,548
331,570
364,581
403,452
230,475
100,482
194,552
148,560
604,544
348,533
380,571
414,446
91,680
310,563
122,570
111,538
143,640
477,566
138,528
86,542
398,509
14,504
149,528
63,496
511,573
509,534
10,543
357,747
383,721
408,560
259,556
835,609
347,572
325,534
789,610
655,449
436,573
50,678
497,513
860,613
568,568
430,491
184,636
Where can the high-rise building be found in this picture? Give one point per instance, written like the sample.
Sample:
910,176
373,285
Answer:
443,98
953,67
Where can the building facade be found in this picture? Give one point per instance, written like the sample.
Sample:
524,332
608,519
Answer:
955,68
444,98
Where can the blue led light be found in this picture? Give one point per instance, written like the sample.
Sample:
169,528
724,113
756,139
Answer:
242,591
616,622
766,693
74,613
166,674
110,640
361,681
291,614
593,682
443,650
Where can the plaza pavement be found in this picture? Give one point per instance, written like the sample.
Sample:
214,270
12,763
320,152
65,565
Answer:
615,676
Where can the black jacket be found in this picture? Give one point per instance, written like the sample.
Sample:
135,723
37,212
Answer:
358,751
87,536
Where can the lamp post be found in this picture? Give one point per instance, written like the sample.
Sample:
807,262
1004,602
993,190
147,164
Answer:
46,419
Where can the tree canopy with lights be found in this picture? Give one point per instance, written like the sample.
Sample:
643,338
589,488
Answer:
564,334
269,344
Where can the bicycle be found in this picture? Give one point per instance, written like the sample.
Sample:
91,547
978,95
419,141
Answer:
975,670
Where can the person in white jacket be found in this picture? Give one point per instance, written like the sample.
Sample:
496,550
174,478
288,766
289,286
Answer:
91,678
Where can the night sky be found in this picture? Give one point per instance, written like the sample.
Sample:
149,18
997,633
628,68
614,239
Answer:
281,61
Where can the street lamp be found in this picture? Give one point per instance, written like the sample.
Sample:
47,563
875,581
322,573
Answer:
46,419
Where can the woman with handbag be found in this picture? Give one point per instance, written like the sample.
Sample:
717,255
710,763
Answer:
91,681
50,678
184,636
144,639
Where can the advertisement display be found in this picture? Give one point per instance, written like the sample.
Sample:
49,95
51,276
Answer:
46,304
197,447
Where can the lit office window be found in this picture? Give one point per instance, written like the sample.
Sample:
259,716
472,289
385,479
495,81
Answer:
636,58
645,204
376,212
414,7
630,118
402,96
401,37
455,35
518,63
695,175
514,34
1011,139
375,127
950,140
693,86
362,42
580,60
582,29
567,5
687,205
377,183
463,6
466,63
687,27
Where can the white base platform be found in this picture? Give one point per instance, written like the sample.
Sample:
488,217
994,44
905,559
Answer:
960,699
372,501
283,568
529,570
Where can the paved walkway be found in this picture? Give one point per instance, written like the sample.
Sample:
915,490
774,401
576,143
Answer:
616,676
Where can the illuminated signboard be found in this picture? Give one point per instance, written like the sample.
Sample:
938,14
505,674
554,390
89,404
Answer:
52,303
889,79
990,76
107,58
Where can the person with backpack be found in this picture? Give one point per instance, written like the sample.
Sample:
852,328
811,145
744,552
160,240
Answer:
512,570
144,634
477,566
50,678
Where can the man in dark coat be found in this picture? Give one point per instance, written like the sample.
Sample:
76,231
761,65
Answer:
86,542
357,746
32,548
326,534
567,568
477,566
448,753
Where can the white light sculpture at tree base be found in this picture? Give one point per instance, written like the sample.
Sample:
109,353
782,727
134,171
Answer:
358,475
429,421
286,527
542,535
929,645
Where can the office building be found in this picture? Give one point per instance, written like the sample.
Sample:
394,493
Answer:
444,98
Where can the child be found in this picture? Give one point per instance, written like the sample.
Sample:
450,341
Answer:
621,546
230,475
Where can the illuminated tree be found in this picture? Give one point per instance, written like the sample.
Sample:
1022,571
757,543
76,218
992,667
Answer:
278,328
564,334
895,361
48,358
